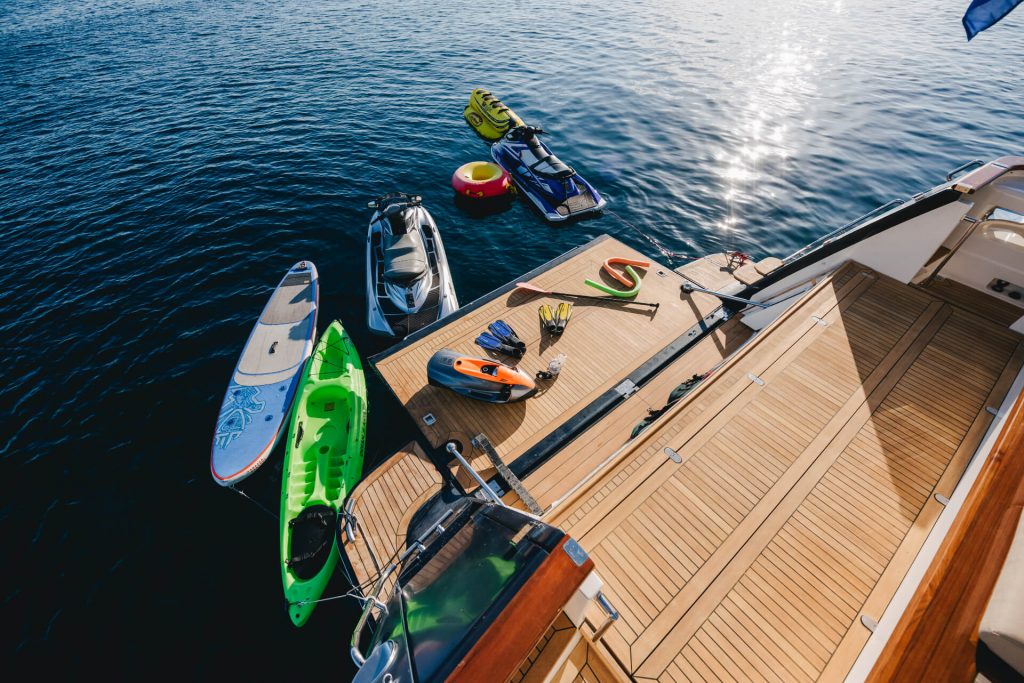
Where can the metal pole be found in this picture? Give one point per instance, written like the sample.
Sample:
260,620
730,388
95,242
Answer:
480,480
687,287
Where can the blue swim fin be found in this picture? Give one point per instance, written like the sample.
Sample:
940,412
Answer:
488,341
503,331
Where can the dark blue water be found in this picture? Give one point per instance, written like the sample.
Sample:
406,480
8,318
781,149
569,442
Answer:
163,163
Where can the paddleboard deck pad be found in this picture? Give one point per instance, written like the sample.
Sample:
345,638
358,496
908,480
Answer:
259,396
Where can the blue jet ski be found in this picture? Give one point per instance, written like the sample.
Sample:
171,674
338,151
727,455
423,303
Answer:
553,187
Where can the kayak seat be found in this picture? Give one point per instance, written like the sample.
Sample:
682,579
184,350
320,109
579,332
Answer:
312,537
405,258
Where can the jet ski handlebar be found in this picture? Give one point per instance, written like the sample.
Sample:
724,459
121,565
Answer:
526,130
410,199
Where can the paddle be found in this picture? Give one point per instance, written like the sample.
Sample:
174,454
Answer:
534,288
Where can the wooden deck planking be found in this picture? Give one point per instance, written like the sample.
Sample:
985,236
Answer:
383,504
945,611
603,343
822,544
886,345
713,271
578,459
564,655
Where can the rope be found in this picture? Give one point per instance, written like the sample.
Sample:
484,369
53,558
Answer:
735,256
256,502
667,253
349,594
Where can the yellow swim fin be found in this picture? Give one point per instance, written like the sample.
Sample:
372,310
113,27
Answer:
562,315
547,318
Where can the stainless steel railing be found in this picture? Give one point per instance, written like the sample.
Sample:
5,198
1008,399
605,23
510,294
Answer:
370,601
487,490
611,613
844,229
964,168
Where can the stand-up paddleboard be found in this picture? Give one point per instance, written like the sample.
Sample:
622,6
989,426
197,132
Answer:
260,394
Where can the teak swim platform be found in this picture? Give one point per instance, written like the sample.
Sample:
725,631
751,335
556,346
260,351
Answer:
603,345
792,515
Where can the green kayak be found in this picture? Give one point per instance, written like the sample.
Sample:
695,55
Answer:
322,462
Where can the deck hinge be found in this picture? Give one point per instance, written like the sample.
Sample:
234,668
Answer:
992,410
820,321
673,455
942,499
970,219
869,623
626,388
755,379
576,553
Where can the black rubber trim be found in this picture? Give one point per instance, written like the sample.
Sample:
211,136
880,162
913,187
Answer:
928,202
993,667
564,434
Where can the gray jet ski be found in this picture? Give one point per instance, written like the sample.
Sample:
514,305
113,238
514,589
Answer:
408,285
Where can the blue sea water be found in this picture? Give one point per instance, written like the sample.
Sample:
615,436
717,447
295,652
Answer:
163,162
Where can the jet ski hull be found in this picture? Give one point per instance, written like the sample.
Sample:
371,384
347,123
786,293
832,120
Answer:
556,199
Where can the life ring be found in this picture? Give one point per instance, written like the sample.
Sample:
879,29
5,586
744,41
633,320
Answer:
480,179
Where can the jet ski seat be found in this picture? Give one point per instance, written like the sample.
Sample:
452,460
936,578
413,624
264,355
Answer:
405,258
401,218
548,165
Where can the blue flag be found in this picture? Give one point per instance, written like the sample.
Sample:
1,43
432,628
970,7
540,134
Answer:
984,13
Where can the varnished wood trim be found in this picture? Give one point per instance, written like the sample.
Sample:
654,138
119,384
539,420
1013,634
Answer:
979,178
513,635
937,637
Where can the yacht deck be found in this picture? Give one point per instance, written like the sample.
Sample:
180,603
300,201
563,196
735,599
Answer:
758,529
807,480
383,504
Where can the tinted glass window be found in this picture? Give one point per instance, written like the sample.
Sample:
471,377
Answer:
445,599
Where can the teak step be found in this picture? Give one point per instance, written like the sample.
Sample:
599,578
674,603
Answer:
767,265
752,272
747,274
482,443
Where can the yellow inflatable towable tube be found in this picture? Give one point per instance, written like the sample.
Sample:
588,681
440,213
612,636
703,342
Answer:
488,116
